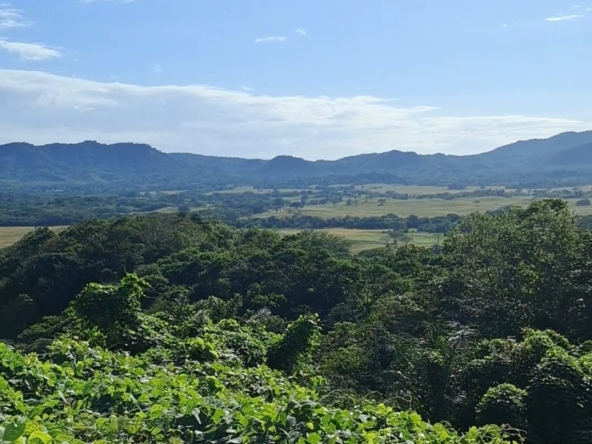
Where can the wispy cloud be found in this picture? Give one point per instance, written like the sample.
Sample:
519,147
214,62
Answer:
241,123
271,39
12,18
301,31
582,13
564,18
29,51
516,24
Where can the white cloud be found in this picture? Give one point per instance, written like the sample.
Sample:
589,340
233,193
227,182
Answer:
555,18
29,51
564,18
12,18
271,39
41,108
301,31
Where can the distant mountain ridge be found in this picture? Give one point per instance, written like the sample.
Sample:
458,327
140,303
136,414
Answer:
92,164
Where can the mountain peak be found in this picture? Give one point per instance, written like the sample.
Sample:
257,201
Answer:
285,164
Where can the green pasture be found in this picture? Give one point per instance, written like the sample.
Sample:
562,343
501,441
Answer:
404,208
417,207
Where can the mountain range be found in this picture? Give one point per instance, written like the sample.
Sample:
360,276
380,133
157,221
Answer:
565,158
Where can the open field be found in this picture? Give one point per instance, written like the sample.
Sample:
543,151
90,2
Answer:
404,208
412,190
250,189
166,192
11,235
417,190
418,207
366,239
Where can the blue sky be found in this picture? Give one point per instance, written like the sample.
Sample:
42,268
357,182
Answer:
316,79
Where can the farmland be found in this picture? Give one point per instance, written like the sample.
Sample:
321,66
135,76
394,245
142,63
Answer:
404,200
418,207
248,206
11,235
404,208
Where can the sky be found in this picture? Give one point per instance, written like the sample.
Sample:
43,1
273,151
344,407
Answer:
318,79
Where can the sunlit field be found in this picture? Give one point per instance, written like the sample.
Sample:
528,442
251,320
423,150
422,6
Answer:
10,235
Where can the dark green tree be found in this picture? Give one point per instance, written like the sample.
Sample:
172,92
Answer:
293,352
112,309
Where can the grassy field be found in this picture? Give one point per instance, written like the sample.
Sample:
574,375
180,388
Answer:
367,239
11,235
250,189
418,207
416,190
413,206
404,208
411,190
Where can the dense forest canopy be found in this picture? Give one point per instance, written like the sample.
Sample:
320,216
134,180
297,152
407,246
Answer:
174,328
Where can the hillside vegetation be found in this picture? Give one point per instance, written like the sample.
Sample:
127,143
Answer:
169,328
562,159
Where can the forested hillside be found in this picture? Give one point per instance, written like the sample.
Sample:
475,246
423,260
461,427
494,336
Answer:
170,328
565,159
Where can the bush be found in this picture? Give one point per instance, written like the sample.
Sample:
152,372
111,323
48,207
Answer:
504,405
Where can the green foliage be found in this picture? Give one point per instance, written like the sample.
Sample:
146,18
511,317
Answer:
504,404
93,395
560,385
167,328
292,353
112,309
522,268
